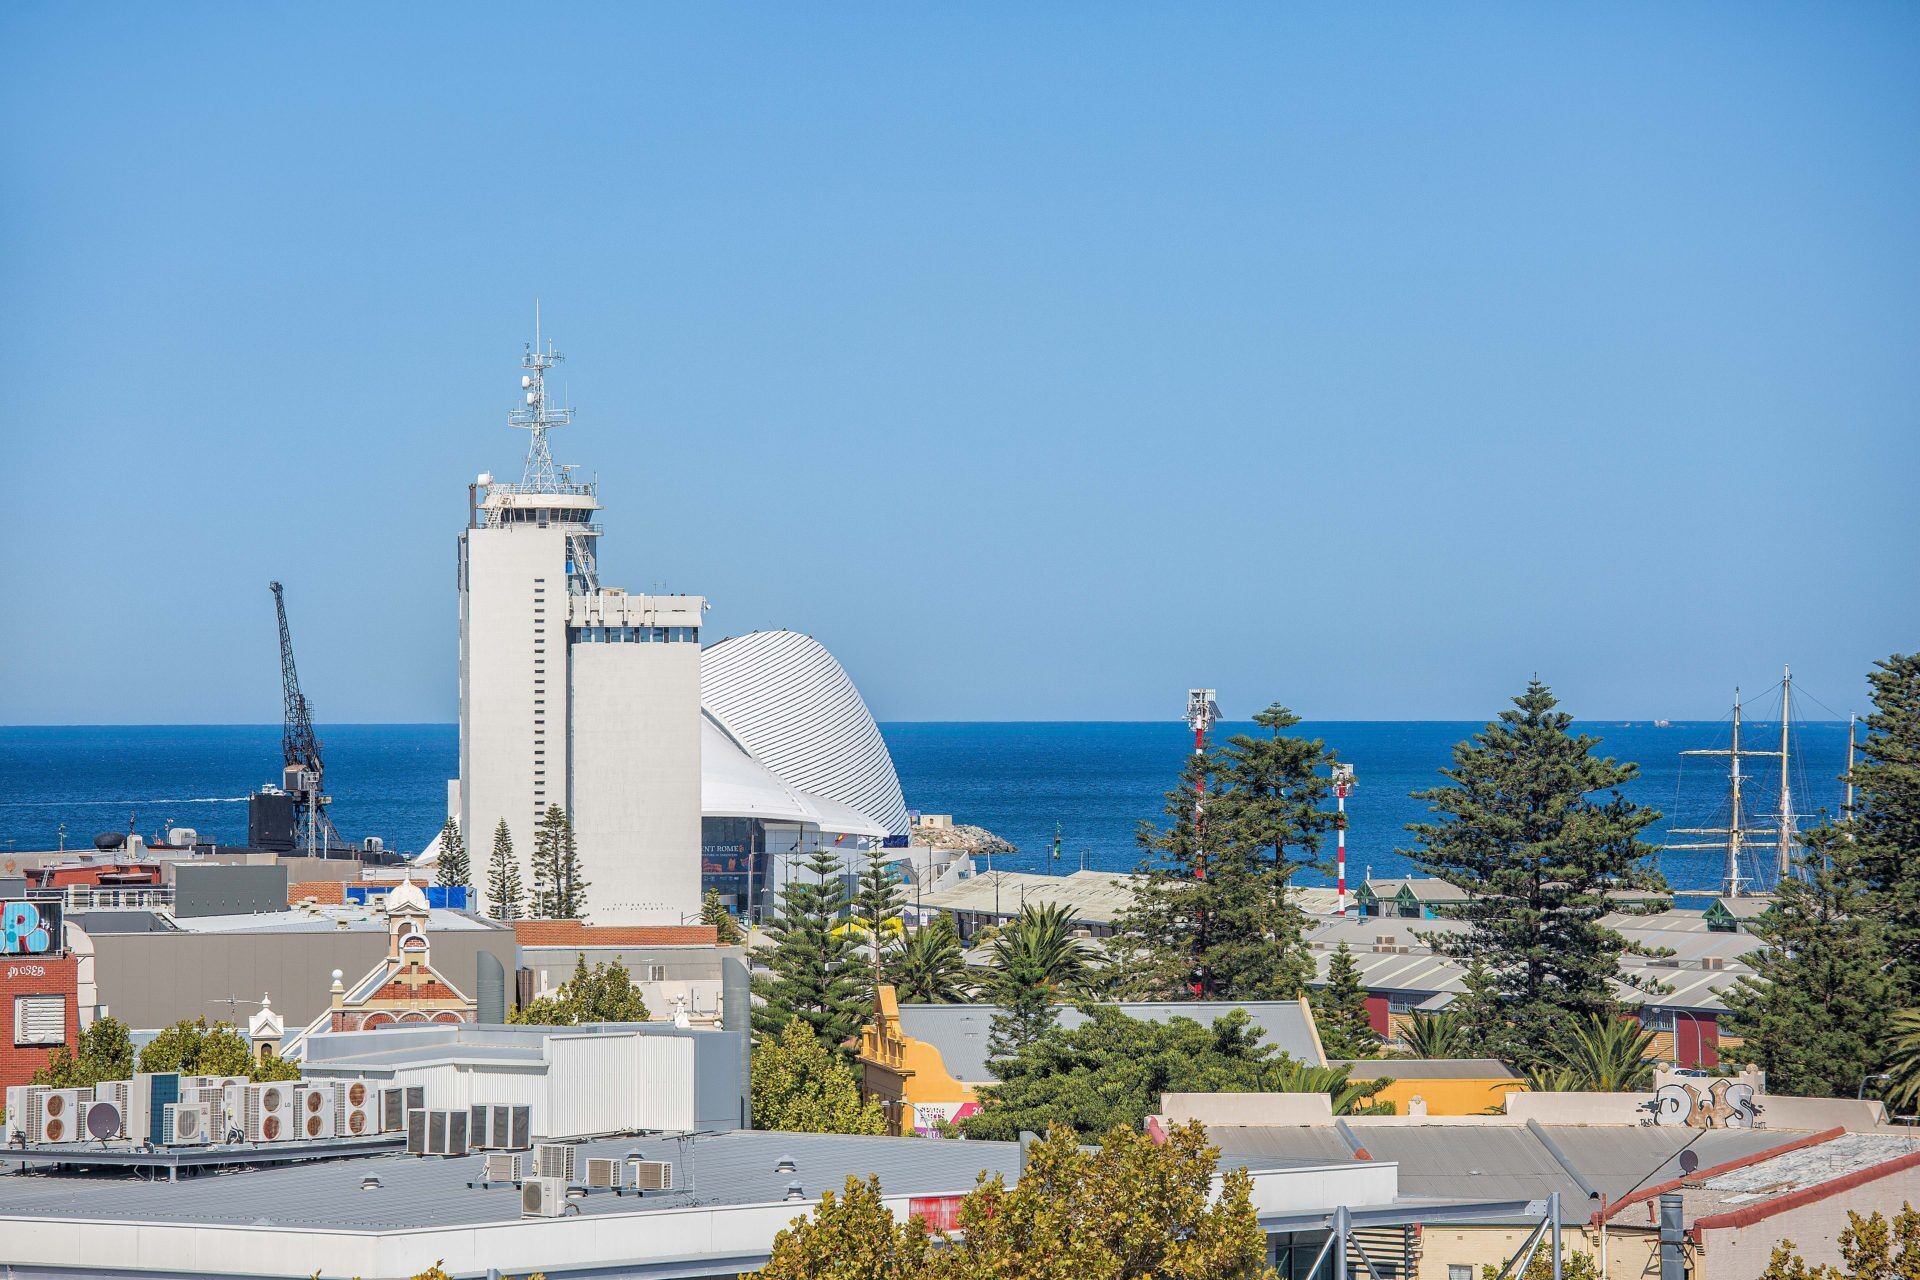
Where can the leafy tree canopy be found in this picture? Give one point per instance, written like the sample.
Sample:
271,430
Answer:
104,1052
1871,1248
605,993
1126,1210
801,1086
1112,1069
197,1049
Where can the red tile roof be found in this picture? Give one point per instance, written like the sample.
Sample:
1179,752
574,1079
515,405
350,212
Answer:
572,933
327,892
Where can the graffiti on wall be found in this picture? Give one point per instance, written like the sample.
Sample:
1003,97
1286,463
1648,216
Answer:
1723,1104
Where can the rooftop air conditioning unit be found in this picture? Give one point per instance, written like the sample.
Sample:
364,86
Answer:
437,1133
184,1124
604,1173
266,1112
502,1166
501,1128
147,1094
55,1116
354,1102
16,1122
314,1105
554,1160
543,1198
214,1099
397,1104
652,1175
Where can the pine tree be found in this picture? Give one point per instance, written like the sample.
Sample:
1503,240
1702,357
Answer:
453,868
544,902
1214,914
570,884
726,930
1882,838
1522,829
1814,1014
1340,1009
503,877
817,973
876,905
1483,1027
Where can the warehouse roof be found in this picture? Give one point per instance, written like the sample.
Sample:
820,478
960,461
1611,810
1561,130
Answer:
329,919
1742,1192
960,1031
1508,1161
575,933
721,1168
1097,897
1426,1068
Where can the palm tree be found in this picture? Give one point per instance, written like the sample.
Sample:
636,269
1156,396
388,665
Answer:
928,968
1286,1075
1436,1035
1037,948
1903,1067
1605,1054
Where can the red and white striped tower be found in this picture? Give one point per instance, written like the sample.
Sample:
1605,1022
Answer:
1202,711
1342,784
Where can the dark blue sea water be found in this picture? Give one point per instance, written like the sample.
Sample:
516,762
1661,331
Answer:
1097,781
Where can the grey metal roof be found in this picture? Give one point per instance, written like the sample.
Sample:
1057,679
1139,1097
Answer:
329,919
104,922
960,1031
1507,1161
716,1169
1426,1068
1097,897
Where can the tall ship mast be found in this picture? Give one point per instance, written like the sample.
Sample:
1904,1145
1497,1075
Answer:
1740,836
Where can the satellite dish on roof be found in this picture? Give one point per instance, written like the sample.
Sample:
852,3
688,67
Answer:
103,1121
1689,1161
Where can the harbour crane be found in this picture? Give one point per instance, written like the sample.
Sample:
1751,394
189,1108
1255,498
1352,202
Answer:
304,776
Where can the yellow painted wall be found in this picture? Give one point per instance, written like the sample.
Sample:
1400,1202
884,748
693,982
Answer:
901,1071
1631,1255
1445,1097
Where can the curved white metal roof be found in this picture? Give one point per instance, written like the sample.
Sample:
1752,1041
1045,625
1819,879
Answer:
795,709
735,785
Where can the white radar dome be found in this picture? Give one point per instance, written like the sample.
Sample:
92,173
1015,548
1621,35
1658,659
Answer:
526,379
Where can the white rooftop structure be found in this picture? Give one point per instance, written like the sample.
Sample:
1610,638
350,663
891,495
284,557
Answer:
733,784
783,698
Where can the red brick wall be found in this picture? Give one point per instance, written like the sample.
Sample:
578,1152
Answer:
34,976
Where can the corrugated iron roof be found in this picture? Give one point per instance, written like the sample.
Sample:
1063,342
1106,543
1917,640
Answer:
574,933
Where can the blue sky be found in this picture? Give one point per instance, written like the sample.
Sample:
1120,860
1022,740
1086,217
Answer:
1042,360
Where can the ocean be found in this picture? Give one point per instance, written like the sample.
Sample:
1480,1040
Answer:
1096,781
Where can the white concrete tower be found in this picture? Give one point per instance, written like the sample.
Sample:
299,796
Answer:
572,695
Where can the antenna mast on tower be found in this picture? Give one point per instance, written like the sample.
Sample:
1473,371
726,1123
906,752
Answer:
541,475
1202,712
